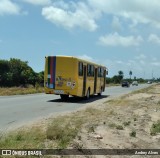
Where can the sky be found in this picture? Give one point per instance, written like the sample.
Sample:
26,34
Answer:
120,34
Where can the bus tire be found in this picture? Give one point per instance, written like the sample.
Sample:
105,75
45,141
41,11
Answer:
100,93
64,97
88,94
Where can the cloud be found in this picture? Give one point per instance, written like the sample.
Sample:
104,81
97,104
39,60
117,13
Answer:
138,11
154,39
38,2
119,62
84,14
154,59
117,40
116,24
155,64
71,16
142,62
141,57
86,57
8,7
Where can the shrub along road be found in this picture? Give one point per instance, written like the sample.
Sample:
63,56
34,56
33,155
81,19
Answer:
19,110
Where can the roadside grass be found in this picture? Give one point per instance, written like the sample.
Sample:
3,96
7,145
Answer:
123,99
155,129
60,132
112,84
20,91
148,90
23,139
57,134
64,129
120,101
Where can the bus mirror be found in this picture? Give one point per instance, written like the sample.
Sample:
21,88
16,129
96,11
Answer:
106,72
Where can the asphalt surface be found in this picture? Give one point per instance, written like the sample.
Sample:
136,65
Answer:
21,109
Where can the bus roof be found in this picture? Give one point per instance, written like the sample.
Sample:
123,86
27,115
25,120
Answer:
90,62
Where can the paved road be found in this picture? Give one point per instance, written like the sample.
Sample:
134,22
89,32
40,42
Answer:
19,110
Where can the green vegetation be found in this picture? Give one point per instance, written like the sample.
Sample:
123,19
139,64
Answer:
63,130
117,79
133,134
119,127
127,123
14,73
23,139
113,125
135,119
155,128
91,129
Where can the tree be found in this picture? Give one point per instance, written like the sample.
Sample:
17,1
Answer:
16,73
4,72
116,79
130,73
40,78
120,75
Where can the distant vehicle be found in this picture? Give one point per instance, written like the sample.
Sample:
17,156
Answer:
125,84
65,75
149,82
134,83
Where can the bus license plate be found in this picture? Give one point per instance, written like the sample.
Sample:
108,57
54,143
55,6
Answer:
59,91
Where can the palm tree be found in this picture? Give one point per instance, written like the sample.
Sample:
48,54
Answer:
130,73
120,75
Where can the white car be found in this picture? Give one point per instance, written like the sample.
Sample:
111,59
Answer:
149,82
134,83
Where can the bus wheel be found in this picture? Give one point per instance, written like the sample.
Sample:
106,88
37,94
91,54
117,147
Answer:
64,97
88,94
100,93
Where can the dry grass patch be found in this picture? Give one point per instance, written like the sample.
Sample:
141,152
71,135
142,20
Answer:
149,90
120,101
20,91
64,129
23,139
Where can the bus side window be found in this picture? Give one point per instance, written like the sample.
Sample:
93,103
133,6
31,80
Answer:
90,70
80,68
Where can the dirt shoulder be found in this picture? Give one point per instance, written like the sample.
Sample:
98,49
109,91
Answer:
124,123
128,122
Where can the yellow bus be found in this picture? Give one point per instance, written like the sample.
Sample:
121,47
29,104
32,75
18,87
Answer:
67,75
